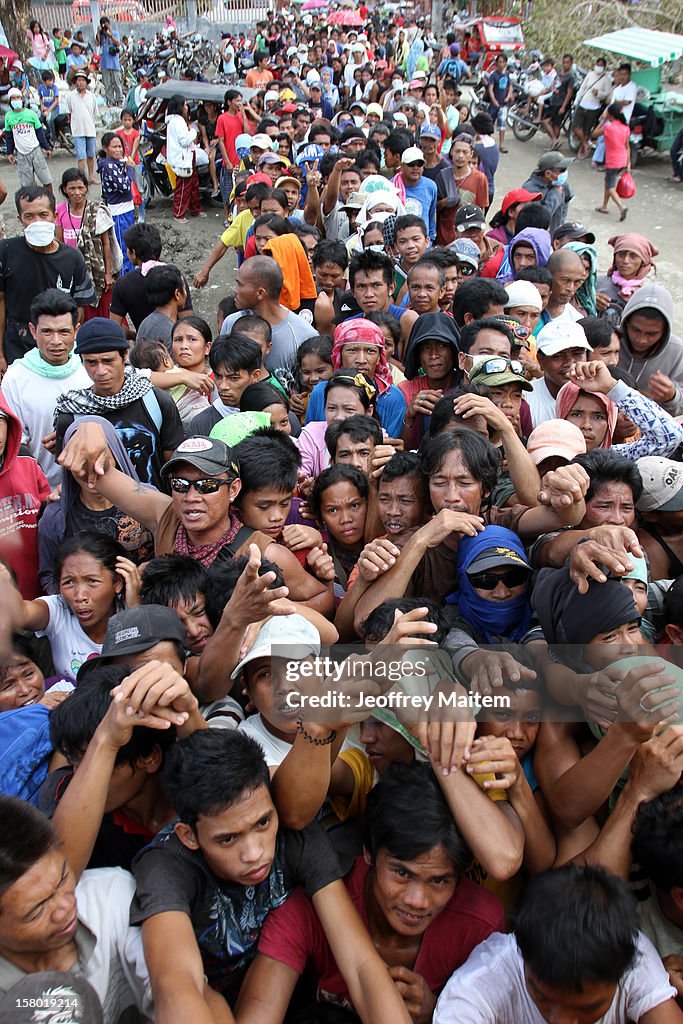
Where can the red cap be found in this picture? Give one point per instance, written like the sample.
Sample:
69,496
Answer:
519,195
254,179
288,108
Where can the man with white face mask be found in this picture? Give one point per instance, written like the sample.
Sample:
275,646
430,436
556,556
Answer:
30,263
591,97
26,142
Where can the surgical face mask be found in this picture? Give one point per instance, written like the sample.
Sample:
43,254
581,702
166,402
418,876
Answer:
599,69
562,178
40,233
397,84
16,104
359,120
375,248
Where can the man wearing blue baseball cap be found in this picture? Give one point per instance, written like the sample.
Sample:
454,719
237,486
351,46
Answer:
430,144
145,418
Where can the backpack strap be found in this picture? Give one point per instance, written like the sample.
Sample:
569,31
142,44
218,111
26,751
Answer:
151,404
241,538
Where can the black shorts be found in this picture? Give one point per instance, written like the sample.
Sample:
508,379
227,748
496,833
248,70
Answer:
556,116
585,120
612,175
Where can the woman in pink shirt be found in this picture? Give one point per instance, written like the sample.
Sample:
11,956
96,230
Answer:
617,156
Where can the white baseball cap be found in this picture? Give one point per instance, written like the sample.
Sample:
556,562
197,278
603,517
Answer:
262,141
557,336
662,484
412,155
523,293
290,636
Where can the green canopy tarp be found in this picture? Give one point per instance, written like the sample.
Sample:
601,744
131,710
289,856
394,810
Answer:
643,44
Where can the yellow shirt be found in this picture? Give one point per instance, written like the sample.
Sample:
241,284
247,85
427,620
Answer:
236,233
365,777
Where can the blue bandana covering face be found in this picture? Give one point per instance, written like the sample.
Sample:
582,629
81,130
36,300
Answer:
491,619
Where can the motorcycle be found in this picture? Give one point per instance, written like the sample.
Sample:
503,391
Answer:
523,119
155,179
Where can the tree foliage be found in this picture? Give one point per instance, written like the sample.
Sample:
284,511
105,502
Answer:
558,27
15,16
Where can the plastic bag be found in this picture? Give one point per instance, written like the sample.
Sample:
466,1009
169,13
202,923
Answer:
626,186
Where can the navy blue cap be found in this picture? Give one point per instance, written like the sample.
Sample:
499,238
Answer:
100,335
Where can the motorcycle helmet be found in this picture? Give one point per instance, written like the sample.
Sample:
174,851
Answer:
243,145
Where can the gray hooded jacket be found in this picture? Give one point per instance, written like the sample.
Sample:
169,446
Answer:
666,356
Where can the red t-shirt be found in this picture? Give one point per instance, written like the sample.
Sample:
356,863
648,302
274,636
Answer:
128,141
293,935
617,137
228,127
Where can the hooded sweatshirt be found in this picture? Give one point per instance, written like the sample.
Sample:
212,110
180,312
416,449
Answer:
666,356
539,240
428,327
23,488
57,523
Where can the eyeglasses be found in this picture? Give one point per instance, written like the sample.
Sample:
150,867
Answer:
489,580
520,332
500,365
466,269
206,485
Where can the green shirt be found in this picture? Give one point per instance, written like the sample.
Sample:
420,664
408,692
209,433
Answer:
23,125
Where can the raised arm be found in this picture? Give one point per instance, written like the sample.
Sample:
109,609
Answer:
88,457
154,696
561,503
394,582
493,834
299,786
522,469
656,768
331,193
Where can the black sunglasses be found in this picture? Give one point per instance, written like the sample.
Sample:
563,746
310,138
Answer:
489,580
206,485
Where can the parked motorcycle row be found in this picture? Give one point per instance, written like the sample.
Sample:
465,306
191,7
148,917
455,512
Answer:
523,114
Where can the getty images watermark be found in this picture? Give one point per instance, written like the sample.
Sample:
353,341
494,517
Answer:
411,682
605,683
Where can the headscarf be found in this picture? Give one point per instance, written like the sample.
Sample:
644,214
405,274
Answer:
382,197
414,54
568,617
586,293
492,619
643,247
346,333
297,278
566,400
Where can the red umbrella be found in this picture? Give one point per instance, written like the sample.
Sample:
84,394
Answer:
347,18
7,54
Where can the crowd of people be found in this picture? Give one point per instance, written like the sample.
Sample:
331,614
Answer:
427,430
